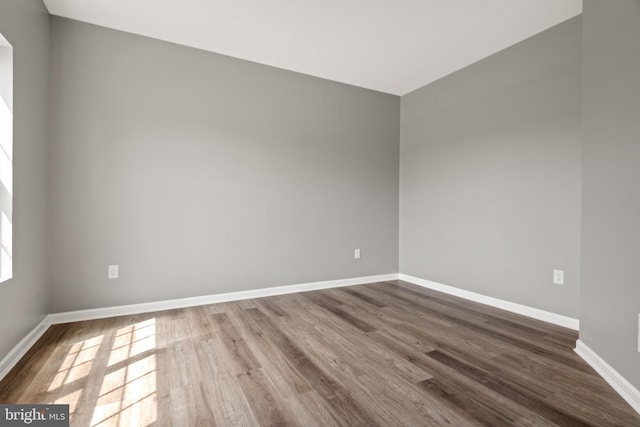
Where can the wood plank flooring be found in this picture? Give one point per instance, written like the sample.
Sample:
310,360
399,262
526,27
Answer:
384,354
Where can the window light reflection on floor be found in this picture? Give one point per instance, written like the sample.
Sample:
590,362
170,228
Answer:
128,392
75,367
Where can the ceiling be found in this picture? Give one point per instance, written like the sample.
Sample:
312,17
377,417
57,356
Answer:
393,46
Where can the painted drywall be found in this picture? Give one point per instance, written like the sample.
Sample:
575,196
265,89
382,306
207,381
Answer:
200,174
490,174
24,299
610,298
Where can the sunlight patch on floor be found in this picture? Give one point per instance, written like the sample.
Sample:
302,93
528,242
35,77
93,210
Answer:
128,394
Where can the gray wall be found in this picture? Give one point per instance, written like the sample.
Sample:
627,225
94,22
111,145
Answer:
610,300
24,300
490,174
199,174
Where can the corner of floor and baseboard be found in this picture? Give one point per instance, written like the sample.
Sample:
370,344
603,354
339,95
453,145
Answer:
619,383
535,313
123,310
13,357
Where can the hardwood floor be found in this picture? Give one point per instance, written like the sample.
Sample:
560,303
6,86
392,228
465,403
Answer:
384,354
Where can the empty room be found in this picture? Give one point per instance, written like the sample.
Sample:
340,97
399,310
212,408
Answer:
319,213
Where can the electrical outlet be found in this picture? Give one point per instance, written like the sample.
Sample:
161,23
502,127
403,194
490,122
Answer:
112,272
558,277
638,332
356,254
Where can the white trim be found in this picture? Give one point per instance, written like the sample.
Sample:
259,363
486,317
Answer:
100,313
545,316
14,356
4,42
624,388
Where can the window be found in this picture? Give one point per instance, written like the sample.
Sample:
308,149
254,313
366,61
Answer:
6,160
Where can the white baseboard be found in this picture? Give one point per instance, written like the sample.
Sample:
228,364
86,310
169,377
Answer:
624,388
14,356
545,316
100,313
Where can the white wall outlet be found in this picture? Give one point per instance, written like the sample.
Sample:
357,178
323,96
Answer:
112,271
639,333
558,277
356,254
